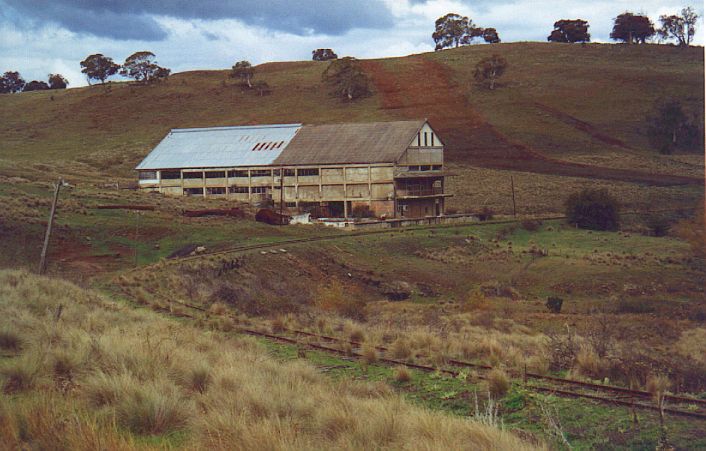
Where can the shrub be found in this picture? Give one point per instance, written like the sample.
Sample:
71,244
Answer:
594,209
402,374
588,363
400,349
658,225
369,354
554,304
485,214
147,410
498,383
20,375
10,340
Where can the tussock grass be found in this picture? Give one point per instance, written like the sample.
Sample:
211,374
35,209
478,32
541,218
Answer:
10,340
135,373
498,383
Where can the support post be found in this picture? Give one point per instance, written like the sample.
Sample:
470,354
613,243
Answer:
43,258
514,207
281,195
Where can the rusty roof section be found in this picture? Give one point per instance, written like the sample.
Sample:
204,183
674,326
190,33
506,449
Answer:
373,142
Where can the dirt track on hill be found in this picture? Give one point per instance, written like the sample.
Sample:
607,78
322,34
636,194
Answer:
424,89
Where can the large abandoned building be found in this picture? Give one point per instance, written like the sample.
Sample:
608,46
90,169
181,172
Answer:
396,169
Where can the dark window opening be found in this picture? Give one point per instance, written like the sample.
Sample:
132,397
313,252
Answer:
261,173
436,167
193,191
238,190
308,172
419,139
290,204
215,174
259,189
170,175
289,172
414,168
148,175
216,190
193,175
239,173
432,139
425,168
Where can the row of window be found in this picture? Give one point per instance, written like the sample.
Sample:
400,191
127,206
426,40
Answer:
433,167
222,190
176,175
425,139
267,145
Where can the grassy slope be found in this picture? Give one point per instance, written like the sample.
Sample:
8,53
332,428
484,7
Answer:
82,372
545,86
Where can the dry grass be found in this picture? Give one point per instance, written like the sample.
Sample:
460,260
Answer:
402,374
138,374
498,383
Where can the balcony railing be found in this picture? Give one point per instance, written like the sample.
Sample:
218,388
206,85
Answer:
421,191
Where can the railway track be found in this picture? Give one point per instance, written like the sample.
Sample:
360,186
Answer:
606,394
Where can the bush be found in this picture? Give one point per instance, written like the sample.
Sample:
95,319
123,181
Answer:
554,304
594,209
400,349
485,214
148,410
498,383
10,340
402,374
658,225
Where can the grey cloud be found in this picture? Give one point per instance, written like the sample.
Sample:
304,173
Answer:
135,19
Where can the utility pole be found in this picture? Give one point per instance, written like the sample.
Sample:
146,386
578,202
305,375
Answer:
137,232
514,207
43,258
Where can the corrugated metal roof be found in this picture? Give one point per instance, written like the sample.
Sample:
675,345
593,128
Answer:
374,142
218,147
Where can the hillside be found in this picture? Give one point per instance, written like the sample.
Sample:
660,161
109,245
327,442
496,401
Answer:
572,115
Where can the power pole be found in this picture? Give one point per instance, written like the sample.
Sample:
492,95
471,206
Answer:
43,258
514,207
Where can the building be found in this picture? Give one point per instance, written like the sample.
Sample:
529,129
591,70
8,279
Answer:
396,169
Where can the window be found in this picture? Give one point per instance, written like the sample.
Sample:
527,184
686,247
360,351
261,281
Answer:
240,173
193,191
289,172
170,175
261,173
216,190
308,172
238,190
148,175
290,204
215,174
414,168
193,175
432,139
425,168
425,139
259,189
419,139
436,167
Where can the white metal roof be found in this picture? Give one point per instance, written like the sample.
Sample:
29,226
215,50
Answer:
220,147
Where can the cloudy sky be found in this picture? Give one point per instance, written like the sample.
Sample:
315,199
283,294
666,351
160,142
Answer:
42,36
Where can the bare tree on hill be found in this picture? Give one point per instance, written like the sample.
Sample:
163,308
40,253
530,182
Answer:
681,28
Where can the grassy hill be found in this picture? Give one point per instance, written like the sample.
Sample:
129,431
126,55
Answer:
561,110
